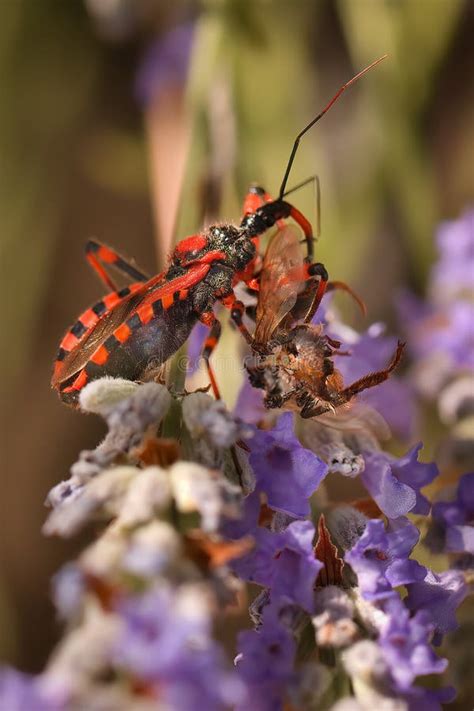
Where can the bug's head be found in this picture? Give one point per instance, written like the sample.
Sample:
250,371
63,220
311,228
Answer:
255,198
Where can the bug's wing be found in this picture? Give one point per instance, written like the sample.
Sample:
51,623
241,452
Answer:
281,281
77,358
153,290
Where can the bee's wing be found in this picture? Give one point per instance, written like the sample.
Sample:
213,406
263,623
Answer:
282,279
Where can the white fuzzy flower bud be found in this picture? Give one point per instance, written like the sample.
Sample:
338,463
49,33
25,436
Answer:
101,396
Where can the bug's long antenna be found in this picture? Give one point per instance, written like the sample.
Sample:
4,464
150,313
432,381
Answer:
319,116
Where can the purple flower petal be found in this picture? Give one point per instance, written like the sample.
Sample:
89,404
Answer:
265,663
286,471
405,642
284,562
249,406
391,496
19,692
395,483
380,558
167,643
439,595
454,519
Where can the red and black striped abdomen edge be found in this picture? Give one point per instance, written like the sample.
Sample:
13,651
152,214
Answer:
154,331
85,323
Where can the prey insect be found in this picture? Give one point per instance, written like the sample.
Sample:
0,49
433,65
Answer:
294,358
133,331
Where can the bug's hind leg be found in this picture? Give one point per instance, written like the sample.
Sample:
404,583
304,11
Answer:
370,380
98,255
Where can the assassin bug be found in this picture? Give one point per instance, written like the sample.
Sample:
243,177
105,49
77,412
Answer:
146,322
294,363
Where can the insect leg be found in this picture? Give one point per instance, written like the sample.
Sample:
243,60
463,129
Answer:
368,381
305,225
208,319
237,310
98,255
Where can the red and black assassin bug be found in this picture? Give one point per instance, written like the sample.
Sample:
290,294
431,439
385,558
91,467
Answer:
149,320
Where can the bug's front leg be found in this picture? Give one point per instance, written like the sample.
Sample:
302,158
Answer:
237,310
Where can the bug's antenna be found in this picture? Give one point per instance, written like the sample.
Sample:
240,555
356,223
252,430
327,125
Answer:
319,116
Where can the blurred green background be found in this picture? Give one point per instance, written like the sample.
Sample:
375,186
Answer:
394,158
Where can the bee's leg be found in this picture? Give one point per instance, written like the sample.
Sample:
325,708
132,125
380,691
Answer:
370,380
98,255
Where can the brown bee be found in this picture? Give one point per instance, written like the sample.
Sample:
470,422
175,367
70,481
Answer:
293,359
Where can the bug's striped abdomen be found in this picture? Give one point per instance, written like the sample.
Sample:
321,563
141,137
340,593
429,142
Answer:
151,334
84,325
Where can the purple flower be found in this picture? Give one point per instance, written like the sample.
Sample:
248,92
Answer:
265,663
286,471
440,333
167,644
19,692
394,398
405,642
453,272
439,595
454,519
249,406
69,587
165,63
283,562
395,484
380,558
419,698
